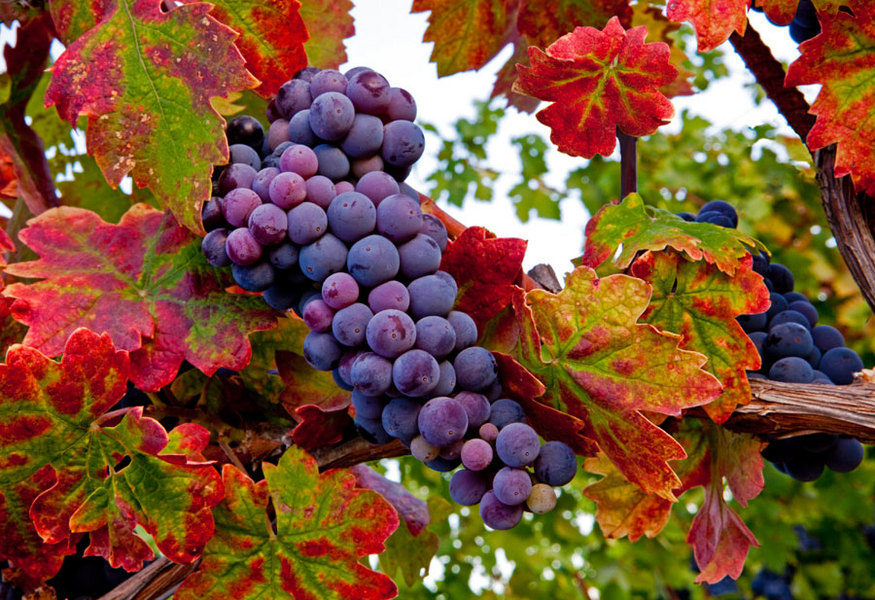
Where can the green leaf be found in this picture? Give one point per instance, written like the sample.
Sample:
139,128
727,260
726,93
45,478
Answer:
329,23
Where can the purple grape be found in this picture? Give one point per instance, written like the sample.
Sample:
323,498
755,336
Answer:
212,215
299,159
238,204
465,328
442,421
806,467
241,153
845,456
369,92
415,373
323,257
400,417
504,412
419,257
306,223
497,515
351,216
335,375
277,133
287,190
307,296
443,465
371,374
307,73
327,80
517,445
373,260
272,113
436,336
435,229
467,487
788,339
321,351
447,380
213,248
807,309
241,247
477,454
349,74
751,323
399,218
268,224
340,290
408,190
422,450
778,304
372,430
432,295
255,277
261,183
346,361
476,406
512,486
392,294
362,166
792,369
283,256
494,391
401,105
321,191
488,432
331,115
364,138
343,187
333,163
390,333
300,131
377,186
781,278
236,176
827,337
282,295
403,143
556,464
369,407
350,323
789,316
476,368
318,315
245,130
814,357
292,97
840,364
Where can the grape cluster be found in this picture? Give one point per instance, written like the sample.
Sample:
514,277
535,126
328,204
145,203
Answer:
292,201
795,349
804,25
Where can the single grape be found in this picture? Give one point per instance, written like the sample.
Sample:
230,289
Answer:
241,153
435,229
505,411
340,290
723,208
333,163
453,451
840,364
321,191
415,373
307,73
845,456
212,215
268,224
443,465
556,464
277,133
318,315
350,323
327,80
300,131
827,337
751,323
403,144
369,407
213,248
241,247
307,223
781,278
542,499
282,295
283,256
392,294
805,467
372,430
245,130
256,277
432,295
806,308
299,159
475,368
422,450
497,515
344,186
292,97
401,105
778,304
390,333
476,454
351,216
373,260
236,176
400,418
399,218
517,445
419,257
788,339
465,328
323,257
238,204
371,374
321,351
369,92
287,190
261,183
512,486
362,166
442,421
377,186
488,432
789,316
468,487
364,138
331,115
344,367
436,336
791,369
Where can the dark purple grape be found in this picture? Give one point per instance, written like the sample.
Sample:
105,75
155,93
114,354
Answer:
840,364
791,369
350,323
373,260
318,315
400,418
505,411
759,338
331,116
778,304
283,256
238,204
403,144
321,351
277,134
788,339
512,486
245,130
268,224
845,456
392,294
781,278
340,290
432,295
419,257
307,73
391,333
443,465
299,159
327,80
287,190
806,467
723,208
293,96
372,430
827,337
307,223
371,374
517,445
362,166
261,183
497,515
686,216
476,454
351,216
442,421
804,25
436,336
365,137
814,357
346,361
399,218
243,154
415,373
254,278
402,106
213,248
212,215
807,309
333,163
369,92
465,328
761,263
272,113
300,131
476,368
714,218
323,257
241,247
751,323
447,380
350,73
476,406
377,186
556,464
494,391
341,383
468,487
369,407
435,229
282,295
789,316
794,297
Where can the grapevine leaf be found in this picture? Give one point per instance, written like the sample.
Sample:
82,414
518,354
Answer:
545,22
144,78
507,75
411,509
307,386
323,526
779,12
329,23
264,373
72,19
467,34
700,302
272,36
714,21
412,555
485,268
144,281
601,366
840,59
633,227
663,30
598,81
319,427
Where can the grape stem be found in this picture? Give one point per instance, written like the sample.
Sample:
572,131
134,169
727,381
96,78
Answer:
628,163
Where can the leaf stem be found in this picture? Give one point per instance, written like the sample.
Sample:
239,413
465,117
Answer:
628,163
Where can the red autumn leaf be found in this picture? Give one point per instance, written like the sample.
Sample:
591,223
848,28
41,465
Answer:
272,36
663,30
507,75
700,302
144,77
779,12
635,227
144,281
319,427
467,34
598,81
602,366
73,18
329,23
713,21
840,59
324,525
485,268
543,22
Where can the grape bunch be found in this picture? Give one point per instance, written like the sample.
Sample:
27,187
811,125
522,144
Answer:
793,348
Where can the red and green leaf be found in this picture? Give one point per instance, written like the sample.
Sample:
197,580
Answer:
72,19
319,427
329,23
324,525
467,34
714,21
663,30
411,509
600,365
543,22
840,59
700,302
144,281
598,81
485,268
144,78
636,227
